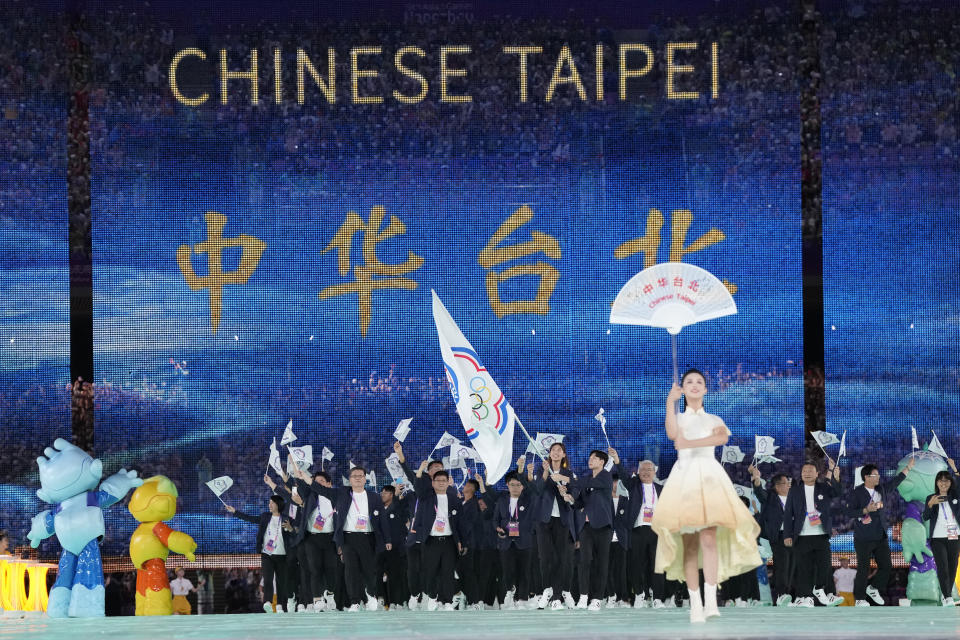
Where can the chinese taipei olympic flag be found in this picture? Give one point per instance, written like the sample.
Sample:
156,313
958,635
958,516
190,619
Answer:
486,415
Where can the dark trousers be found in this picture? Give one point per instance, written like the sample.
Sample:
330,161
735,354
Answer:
783,568
617,572
945,552
514,563
414,581
594,560
641,558
393,564
487,565
745,586
274,567
879,550
556,556
298,574
812,557
438,561
322,562
360,565
469,582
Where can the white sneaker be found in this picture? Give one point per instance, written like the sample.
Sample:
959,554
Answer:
508,599
696,608
431,604
557,605
331,601
520,604
740,602
268,607
291,605
568,601
354,608
610,602
544,598
460,601
582,602
479,606
595,605
447,607
827,600
658,604
318,606
372,604
413,603
862,603
301,608
784,600
640,602
947,602
875,595
803,602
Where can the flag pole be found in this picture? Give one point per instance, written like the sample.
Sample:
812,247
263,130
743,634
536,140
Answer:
536,445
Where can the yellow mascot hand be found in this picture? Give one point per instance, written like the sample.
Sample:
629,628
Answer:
183,544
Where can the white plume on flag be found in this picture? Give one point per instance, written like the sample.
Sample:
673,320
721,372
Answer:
935,445
843,445
913,435
220,485
302,457
487,417
402,430
732,454
288,436
824,438
275,458
326,454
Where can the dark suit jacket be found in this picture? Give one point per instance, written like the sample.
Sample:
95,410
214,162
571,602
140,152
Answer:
771,514
635,487
859,498
593,496
426,515
343,502
621,521
263,520
397,515
933,513
547,490
796,507
525,515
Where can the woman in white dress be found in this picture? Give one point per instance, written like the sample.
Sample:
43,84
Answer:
700,520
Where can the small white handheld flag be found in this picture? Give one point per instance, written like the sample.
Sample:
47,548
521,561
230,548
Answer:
913,435
602,419
274,461
220,485
446,440
935,445
327,454
372,479
732,454
763,446
302,457
824,438
843,445
402,430
770,459
288,436
396,470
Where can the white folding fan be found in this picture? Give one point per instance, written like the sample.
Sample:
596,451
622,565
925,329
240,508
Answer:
671,296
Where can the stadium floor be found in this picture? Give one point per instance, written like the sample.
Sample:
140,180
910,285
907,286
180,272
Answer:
783,624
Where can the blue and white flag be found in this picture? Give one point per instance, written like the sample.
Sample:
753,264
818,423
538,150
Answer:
486,415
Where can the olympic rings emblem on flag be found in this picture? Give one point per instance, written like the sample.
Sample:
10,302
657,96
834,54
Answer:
477,392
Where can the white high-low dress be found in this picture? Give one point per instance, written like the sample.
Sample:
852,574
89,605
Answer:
697,495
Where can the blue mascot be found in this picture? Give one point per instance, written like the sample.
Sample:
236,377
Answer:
68,479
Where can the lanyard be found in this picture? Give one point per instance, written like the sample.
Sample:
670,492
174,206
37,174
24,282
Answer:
352,499
516,510
946,513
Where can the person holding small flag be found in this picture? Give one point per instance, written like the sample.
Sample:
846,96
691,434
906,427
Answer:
592,494
556,528
617,589
514,519
942,511
436,530
322,561
865,505
771,519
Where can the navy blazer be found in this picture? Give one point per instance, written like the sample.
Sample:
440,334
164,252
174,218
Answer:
933,513
548,492
621,520
593,496
526,515
634,485
857,501
343,502
264,521
426,515
471,522
771,514
485,532
398,515
796,508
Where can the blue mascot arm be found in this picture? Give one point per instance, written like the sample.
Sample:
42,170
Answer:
41,528
114,488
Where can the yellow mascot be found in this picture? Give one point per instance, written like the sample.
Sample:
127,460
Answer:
151,504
